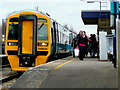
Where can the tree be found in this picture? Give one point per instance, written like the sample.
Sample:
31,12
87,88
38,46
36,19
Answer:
70,28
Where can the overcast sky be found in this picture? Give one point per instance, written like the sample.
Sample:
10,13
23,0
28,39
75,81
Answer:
63,11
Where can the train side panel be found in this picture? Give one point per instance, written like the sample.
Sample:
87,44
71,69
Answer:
61,40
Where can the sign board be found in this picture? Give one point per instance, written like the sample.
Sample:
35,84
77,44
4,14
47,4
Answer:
114,7
95,0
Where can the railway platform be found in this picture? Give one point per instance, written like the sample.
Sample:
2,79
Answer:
70,73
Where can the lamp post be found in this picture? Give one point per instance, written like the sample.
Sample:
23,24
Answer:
114,12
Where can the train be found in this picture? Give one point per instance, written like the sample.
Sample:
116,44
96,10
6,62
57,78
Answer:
32,38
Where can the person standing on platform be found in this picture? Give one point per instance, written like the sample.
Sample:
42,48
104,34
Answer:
86,47
80,33
82,43
74,45
93,44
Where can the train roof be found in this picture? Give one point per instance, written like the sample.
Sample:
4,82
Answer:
29,10
35,11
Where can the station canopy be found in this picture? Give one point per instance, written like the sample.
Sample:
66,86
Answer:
91,17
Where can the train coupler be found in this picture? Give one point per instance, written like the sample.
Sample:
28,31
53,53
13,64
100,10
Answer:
26,61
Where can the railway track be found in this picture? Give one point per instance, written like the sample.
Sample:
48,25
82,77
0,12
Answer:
7,76
7,82
10,78
3,66
4,61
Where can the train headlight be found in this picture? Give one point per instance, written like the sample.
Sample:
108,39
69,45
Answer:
42,44
12,43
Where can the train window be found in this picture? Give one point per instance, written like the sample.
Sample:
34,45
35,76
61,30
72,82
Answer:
13,32
14,19
62,38
42,32
70,38
42,20
60,28
59,37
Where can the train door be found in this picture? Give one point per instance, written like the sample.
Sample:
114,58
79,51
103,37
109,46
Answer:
54,37
27,40
55,25
27,36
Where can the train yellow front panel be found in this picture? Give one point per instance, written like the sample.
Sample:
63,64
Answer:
25,53
27,34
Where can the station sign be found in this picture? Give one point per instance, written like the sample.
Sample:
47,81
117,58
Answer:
95,0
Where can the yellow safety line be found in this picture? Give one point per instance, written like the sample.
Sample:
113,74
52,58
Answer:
9,82
6,83
63,64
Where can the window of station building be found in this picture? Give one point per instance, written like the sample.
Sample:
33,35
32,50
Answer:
13,32
42,32
42,20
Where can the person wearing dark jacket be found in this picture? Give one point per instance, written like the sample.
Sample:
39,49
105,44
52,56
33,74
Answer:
74,45
74,42
80,33
93,44
86,47
82,43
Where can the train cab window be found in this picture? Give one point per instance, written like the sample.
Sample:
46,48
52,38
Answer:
42,32
13,32
14,19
